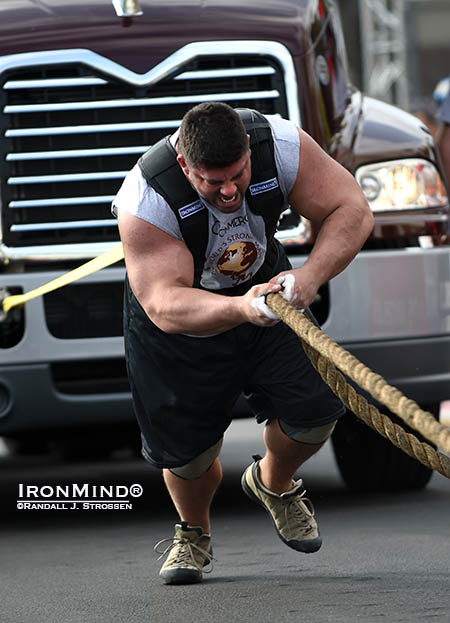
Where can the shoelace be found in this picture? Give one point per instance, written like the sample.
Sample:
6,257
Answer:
186,552
299,513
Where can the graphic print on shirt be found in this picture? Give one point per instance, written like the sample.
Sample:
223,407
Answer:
236,248
237,260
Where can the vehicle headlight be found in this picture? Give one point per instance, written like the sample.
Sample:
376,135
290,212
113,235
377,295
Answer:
408,184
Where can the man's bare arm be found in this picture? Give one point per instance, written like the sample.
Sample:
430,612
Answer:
161,272
329,196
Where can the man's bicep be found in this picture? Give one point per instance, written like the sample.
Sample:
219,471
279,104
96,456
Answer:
155,261
322,184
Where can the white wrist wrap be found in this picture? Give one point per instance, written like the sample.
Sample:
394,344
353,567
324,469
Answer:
288,283
259,303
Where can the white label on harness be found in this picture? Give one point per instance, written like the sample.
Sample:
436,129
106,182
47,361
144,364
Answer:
190,209
263,187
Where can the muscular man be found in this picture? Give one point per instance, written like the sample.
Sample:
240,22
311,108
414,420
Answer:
197,218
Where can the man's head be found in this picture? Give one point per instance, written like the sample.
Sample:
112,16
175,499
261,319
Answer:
214,154
212,136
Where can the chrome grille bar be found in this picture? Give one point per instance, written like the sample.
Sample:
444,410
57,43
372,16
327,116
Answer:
76,153
90,129
207,74
153,101
56,82
63,201
70,177
65,225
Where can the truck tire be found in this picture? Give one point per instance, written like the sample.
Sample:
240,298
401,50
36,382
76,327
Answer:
369,462
26,445
71,451
96,443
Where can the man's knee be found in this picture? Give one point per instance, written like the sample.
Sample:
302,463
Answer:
318,434
198,466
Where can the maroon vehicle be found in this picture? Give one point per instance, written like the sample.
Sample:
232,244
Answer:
88,86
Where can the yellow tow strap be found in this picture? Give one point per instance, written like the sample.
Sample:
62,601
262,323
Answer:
101,261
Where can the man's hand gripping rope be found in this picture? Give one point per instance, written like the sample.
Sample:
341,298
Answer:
285,286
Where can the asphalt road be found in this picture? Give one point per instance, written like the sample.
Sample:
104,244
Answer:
385,557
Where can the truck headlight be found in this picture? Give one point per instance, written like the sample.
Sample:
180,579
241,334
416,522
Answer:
407,184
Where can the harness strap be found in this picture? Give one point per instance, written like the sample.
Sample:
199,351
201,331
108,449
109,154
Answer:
160,168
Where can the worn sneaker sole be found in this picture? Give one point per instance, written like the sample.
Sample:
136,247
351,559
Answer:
307,546
181,576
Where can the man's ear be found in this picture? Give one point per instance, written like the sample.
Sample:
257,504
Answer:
182,162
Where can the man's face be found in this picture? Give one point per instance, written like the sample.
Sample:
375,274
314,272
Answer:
224,187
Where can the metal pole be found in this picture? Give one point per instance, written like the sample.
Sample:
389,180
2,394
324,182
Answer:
383,49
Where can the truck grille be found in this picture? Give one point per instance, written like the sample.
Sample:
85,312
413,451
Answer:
72,131
85,311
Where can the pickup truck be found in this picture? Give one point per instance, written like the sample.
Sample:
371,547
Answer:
86,87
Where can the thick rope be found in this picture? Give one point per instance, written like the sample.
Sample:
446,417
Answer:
326,355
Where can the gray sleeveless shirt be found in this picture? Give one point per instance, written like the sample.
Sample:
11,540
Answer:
237,242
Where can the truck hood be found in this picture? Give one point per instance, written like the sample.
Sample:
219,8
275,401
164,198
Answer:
139,43
387,133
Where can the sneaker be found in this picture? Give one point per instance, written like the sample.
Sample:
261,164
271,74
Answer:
292,513
188,553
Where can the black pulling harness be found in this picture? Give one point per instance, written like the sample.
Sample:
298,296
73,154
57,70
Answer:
160,168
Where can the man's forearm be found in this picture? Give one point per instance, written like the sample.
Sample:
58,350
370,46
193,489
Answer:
180,309
340,237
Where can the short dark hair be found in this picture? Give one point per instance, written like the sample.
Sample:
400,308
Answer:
212,135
